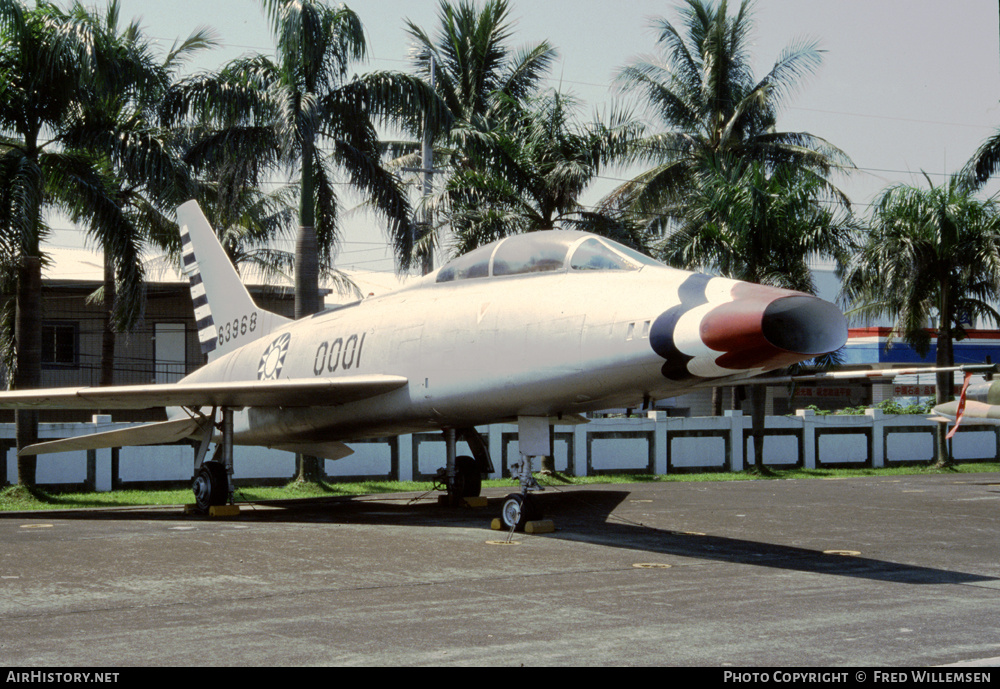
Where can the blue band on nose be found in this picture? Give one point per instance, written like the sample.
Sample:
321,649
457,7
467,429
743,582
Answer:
661,335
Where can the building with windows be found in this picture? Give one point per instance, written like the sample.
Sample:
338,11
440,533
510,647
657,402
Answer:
163,348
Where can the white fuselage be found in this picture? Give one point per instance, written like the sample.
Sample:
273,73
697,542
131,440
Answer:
478,351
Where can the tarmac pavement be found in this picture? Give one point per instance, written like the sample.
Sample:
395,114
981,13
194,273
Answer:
885,571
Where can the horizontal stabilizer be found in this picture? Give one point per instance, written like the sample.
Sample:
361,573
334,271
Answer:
568,420
162,433
330,450
313,392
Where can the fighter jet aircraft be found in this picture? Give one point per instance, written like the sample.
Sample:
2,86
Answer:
533,328
978,403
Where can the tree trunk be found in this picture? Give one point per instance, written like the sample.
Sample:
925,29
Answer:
307,300
306,273
944,392
945,382
306,304
306,245
108,336
758,400
308,469
28,344
717,394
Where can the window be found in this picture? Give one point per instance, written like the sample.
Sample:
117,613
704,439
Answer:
593,255
539,252
604,254
60,344
641,259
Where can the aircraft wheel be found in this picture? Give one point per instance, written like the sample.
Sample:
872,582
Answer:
211,485
517,511
468,479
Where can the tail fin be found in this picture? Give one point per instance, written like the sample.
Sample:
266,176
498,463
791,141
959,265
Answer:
226,315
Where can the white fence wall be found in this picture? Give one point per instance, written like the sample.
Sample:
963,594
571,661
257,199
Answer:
654,444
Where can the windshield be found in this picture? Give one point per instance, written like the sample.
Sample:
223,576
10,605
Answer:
475,264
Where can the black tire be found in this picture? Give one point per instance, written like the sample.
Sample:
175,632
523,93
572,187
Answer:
210,485
512,512
468,479
517,511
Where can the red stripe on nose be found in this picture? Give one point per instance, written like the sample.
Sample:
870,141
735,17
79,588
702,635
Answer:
766,327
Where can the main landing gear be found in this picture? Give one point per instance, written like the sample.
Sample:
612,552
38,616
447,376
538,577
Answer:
462,477
213,480
210,485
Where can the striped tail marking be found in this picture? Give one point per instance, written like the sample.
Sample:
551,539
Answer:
207,333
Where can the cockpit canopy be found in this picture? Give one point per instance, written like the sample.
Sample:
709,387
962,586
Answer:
543,252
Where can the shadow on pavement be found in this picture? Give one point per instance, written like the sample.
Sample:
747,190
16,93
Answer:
583,515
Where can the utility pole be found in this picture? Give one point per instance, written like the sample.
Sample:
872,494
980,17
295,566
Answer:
427,163
427,170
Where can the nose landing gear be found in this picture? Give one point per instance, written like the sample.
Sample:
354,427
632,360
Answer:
462,476
520,508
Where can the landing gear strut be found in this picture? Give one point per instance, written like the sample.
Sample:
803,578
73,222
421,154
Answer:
462,476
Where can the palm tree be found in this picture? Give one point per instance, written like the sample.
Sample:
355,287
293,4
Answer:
140,158
54,66
477,75
720,142
529,171
714,110
984,163
932,256
304,112
763,227
473,64
759,226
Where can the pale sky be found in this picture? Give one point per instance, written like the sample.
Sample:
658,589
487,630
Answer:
905,86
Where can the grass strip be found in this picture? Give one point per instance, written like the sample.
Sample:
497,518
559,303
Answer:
24,498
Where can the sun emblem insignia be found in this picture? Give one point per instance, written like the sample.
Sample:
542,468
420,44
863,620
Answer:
273,358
